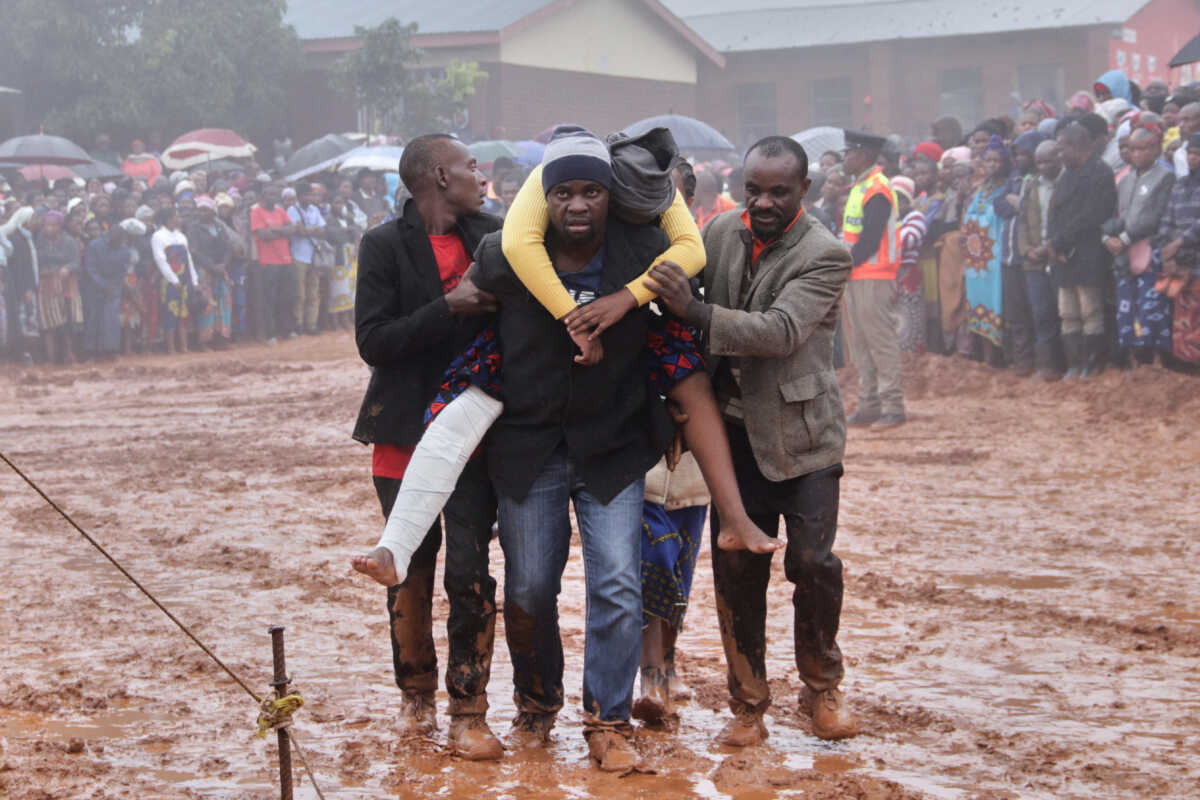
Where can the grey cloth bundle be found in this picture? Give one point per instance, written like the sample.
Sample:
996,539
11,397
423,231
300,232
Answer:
642,185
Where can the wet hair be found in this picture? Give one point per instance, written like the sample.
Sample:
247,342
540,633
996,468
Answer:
419,158
775,146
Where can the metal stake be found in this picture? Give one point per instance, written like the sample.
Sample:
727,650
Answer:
280,683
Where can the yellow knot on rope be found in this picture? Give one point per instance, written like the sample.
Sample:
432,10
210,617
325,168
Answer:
275,714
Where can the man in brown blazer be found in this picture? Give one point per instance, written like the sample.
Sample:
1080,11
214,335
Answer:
773,285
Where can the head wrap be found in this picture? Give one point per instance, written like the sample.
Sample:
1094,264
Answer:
287,193
575,154
1040,107
184,186
206,202
109,187
72,203
931,150
1028,142
959,155
1081,101
17,220
1117,84
643,186
54,215
223,199
133,227
1047,127
177,176
179,198
1112,110
144,213
903,185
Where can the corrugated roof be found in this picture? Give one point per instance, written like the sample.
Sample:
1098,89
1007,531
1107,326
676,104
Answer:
335,19
732,26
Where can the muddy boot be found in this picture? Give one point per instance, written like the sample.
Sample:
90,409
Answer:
1073,349
1093,356
472,739
418,714
530,730
746,729
831,718
655,706
612,752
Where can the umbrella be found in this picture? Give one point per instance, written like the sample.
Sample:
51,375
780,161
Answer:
488,151
544,136
195,148
691,135
317,155
49,172
529,152
42,149
97,169
819,140
1189,53
379,159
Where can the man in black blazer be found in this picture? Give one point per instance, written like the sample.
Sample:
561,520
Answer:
413,314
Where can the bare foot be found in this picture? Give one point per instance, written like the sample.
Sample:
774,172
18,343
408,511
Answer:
745,535
377,565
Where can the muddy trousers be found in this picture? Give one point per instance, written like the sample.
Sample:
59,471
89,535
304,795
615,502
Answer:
809,507
471,592
536,534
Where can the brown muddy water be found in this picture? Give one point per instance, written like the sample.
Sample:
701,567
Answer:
1022,617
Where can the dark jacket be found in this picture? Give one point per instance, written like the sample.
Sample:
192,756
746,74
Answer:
403,327
1083,200
614,428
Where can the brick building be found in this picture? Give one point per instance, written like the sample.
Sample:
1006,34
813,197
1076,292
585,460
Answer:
600,63
894,65
752,67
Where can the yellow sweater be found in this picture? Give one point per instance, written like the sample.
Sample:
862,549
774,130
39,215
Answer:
524,244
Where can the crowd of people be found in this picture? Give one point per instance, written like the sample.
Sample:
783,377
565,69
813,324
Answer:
158,262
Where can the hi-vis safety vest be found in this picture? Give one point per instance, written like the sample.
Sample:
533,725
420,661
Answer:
886,262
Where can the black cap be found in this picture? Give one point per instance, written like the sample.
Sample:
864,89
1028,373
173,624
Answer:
860,139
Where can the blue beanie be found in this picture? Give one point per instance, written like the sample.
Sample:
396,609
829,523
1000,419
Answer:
576,154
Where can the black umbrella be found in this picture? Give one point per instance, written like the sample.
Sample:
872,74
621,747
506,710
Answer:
42,149
97,169
1189,53
691,135
317,155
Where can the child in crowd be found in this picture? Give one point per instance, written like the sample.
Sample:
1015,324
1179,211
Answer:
909,283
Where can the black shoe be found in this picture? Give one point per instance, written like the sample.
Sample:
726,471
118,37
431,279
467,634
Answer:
890,421
861,418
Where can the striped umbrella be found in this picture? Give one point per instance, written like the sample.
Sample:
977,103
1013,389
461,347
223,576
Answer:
197,147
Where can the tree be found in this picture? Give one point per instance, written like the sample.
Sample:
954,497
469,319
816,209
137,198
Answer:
131,67
384,76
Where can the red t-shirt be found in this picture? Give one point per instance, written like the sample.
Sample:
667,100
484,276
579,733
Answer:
390,461
271,251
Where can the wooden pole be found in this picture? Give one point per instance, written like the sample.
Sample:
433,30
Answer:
280,683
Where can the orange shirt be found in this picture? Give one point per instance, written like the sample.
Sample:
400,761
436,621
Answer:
720,205
760,245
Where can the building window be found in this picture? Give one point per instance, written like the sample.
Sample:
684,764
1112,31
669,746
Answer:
830,103
755,112
960,94
1040,82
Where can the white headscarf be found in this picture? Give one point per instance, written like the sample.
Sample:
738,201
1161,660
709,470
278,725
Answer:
18,220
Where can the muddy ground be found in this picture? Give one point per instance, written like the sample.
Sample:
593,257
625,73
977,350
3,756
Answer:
1022,616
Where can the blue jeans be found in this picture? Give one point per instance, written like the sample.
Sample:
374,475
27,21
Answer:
1043,304
535,534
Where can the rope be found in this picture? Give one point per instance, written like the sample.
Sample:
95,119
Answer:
278,713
